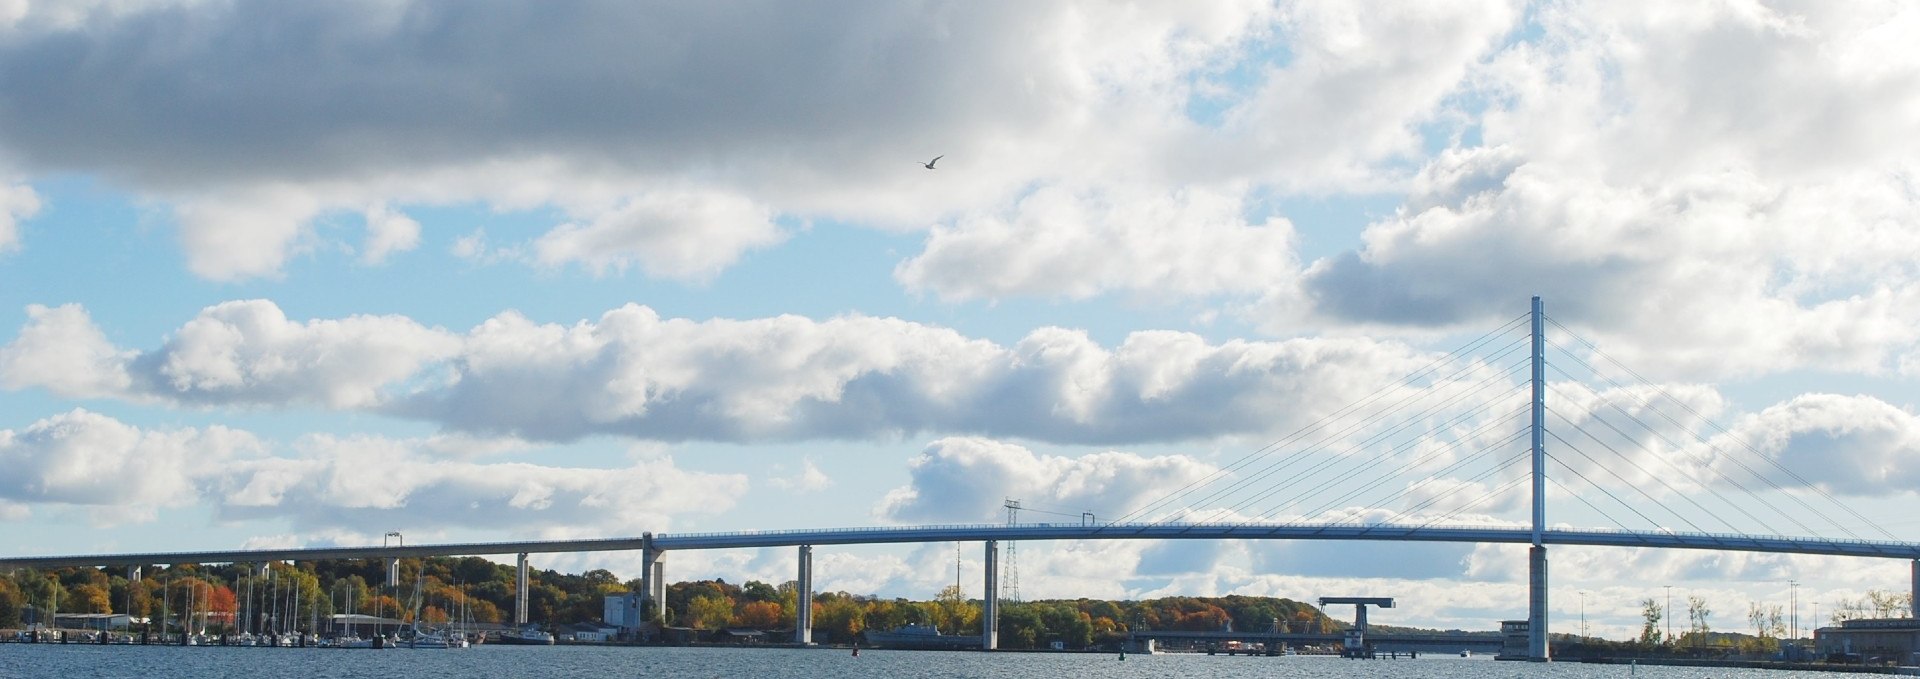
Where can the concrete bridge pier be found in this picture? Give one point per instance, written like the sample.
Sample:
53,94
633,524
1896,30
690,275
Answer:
653,581
1915,592
520,592
1537,603
990,613
803,598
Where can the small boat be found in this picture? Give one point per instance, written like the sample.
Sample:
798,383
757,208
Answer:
921,637
529,636
1468,653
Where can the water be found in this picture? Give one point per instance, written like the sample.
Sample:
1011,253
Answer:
134,662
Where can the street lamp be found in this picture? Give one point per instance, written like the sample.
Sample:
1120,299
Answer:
1793,601
1669,614
1583,616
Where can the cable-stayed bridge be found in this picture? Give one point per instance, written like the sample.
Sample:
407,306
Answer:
1449,453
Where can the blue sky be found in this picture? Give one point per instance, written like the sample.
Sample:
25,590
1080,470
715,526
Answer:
301,275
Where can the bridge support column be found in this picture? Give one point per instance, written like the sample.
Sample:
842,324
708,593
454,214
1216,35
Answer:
520,592
1537,605
1915,592
653,584
990,615
803,598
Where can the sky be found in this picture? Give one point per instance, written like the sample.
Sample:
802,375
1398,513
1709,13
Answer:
301,274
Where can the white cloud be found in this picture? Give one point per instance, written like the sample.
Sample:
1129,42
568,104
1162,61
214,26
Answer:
250,352
1057,243
388,232
86,459
234,237
958,479
1710,190
808,479
61,350
1855,445
327,484
17,203
683,235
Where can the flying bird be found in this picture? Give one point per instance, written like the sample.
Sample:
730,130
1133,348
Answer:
929,164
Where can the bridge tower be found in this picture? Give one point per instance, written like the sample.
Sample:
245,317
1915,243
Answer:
1537,555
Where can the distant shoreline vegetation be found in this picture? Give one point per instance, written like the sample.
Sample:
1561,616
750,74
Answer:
486,590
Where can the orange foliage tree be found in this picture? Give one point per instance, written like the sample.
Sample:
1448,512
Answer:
759,614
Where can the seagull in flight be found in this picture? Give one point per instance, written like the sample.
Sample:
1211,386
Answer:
929,164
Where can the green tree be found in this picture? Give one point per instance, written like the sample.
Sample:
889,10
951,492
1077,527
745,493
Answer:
756,590
840,617
1650,614
1021,627
10,604
1698,615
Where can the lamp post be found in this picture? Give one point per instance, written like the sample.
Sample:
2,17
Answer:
1583,616
1669,614
1793,602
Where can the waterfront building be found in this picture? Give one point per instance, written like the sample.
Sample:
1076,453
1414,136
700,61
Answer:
1882,640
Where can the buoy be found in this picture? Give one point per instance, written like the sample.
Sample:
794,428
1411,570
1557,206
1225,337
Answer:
1123,655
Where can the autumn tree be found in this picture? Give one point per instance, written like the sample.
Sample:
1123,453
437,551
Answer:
1698,613
1651,613
840,617
709,611
760,615
87,598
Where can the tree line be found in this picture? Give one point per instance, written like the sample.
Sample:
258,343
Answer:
439,589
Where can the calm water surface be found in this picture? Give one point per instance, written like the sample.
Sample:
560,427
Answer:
134,662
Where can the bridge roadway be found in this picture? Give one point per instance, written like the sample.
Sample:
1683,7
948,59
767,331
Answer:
1018,532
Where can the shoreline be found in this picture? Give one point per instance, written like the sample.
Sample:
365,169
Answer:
1756,664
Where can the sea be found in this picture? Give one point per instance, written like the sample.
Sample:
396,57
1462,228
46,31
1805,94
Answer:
554,662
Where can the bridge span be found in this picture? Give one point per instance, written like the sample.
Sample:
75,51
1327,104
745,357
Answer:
1020,532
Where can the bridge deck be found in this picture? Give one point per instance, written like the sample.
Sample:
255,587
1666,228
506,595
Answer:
1021,532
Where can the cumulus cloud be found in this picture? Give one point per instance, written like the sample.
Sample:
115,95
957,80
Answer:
806,114
634,373
1055,243
17,202
249,352
1707,176
690,235
247,235
388,232
957,479
81,458
1856,445
325,484
61,350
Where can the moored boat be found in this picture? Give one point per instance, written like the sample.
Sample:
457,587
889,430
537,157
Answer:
529,636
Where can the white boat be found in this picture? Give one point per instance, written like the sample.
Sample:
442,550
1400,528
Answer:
435,639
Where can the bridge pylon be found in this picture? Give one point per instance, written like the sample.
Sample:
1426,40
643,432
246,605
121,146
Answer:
1537,556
